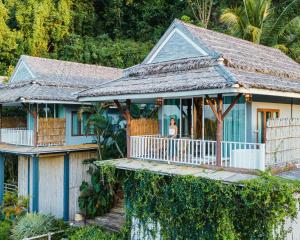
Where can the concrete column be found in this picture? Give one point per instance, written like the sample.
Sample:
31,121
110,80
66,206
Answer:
2,159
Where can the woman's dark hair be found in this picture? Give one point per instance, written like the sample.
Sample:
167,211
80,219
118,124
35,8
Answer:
174,121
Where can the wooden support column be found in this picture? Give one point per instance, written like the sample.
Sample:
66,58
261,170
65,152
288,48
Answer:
219,134
220,116
2,159
127,116
35,128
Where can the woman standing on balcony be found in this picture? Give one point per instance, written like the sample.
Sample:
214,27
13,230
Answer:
173,131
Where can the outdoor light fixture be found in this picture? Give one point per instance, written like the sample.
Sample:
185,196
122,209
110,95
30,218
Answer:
248,97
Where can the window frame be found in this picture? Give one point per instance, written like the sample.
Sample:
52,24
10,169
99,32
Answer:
79,126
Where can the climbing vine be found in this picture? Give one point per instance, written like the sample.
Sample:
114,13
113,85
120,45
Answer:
188,207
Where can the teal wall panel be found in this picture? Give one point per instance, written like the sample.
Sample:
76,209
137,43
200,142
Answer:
2,159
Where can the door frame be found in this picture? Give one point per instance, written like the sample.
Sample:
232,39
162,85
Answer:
264,111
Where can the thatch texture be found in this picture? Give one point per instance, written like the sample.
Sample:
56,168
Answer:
244,63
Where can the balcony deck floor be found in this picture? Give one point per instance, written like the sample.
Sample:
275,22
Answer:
172,169
26,150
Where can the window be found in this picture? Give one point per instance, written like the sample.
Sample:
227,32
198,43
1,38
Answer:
80,124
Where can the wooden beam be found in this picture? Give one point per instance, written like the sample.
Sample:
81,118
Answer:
127,116
128,127
212,106
236,99
219,132
35,128
119,106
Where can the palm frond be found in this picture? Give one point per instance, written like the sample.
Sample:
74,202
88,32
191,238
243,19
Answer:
233,18
289,13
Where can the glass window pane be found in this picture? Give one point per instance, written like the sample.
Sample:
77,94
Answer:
235,121
260,127
171,109
210,122
186,114
75,125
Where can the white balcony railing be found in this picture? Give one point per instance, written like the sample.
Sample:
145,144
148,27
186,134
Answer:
17,136
198,152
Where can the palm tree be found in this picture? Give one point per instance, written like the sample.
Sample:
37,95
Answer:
258,22
248,21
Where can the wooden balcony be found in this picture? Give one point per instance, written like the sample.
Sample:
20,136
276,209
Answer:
51,132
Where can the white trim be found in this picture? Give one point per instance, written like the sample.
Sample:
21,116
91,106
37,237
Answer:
163,95
192,94
175,30
54,102
270,92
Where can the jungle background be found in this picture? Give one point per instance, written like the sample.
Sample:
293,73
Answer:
120,33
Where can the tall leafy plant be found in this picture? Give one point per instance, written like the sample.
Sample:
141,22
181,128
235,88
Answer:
108,134
248,20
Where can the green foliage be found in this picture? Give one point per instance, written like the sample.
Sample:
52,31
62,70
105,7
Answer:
13,206
101,195
195,208
110,135
92,233
247,21
5,227
121,33
103,50
33,224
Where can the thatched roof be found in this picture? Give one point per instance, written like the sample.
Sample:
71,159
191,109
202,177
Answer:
58,71
245,55
173,76
31,90
55,80
244,63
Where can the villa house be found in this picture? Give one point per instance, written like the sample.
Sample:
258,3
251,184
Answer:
236,103
46,130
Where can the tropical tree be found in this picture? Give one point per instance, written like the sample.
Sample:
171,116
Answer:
201,10
259,22
248,20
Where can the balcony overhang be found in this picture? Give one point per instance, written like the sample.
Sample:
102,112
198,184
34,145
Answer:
31,151
227,176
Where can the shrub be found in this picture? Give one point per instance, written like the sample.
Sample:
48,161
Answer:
92,233
13,205
5,227
33,224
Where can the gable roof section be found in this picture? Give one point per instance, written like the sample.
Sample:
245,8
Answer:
51,70
173,76
26,91
245,55
41,79
244,64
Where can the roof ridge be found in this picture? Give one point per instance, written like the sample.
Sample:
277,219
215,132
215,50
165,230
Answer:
184,64
229,36
24,57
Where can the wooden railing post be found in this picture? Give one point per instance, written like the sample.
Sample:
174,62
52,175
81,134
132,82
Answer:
35,128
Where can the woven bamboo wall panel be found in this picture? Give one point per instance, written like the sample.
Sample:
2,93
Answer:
11,122
51,131
283,141
144,126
